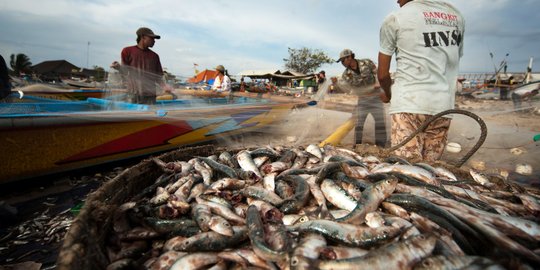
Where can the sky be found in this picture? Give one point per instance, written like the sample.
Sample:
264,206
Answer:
250,34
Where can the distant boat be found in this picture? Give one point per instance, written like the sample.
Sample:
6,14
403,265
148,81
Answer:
493,93
53,92
83,84
527,87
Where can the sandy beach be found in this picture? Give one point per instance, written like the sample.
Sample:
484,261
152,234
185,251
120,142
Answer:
507,130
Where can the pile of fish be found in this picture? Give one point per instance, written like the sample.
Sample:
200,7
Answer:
323,208
45,229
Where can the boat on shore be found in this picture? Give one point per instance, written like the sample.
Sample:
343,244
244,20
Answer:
494,92
83,84
67,94
44,136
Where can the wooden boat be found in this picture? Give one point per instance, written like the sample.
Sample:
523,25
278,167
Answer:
83,84
41,137
48,92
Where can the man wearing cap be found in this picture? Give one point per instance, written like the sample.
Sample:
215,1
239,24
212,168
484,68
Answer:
427,38
142,68
359,78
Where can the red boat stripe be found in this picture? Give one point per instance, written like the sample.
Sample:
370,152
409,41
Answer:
150,137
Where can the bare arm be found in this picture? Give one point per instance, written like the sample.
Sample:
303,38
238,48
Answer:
383,74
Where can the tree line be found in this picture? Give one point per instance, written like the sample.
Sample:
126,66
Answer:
304,60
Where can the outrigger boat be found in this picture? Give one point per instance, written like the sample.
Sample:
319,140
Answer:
71,94
43,136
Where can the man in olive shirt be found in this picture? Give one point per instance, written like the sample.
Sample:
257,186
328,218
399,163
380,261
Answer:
359,78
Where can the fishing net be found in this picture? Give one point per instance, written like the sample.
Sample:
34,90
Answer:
510,130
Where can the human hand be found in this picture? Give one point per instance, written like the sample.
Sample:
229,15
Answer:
383,97
115,65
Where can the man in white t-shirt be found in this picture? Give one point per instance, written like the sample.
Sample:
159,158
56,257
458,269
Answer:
427,38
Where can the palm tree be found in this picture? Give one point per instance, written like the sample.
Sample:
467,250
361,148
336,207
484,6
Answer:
20,63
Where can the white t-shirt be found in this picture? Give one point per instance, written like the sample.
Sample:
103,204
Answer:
222,84
427,38
217,83
226,84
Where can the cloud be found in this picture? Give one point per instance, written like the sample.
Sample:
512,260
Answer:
244,34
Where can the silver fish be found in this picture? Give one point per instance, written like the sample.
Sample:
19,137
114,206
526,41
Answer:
223,211
374,220
166,260
195,261
314,150
370,201
342,252
307,251
257,236
351,235
457,262
245,257
246,163
220,225
409,170
480,178
269,182
337,196
494,235
399,255
262,194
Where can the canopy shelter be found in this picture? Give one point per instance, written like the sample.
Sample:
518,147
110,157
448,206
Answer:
280,78
206,76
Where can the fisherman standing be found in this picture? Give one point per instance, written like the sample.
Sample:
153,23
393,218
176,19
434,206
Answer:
427,38
142,68
359,79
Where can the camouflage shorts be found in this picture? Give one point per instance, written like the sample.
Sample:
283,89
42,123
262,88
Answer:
428,145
